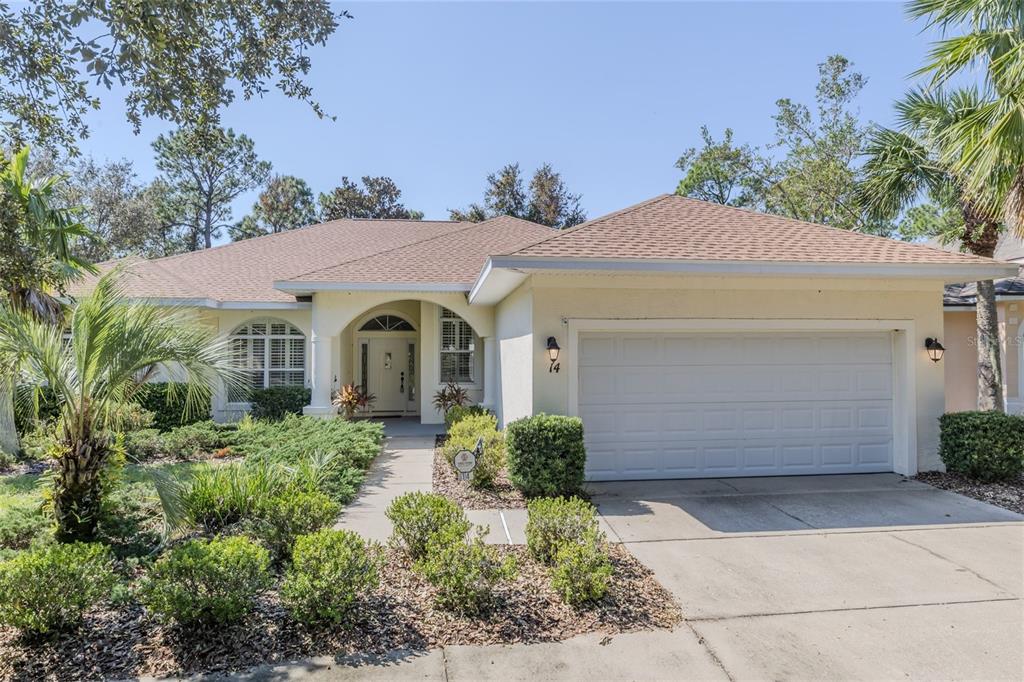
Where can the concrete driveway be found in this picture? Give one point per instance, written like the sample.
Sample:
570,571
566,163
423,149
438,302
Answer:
832,577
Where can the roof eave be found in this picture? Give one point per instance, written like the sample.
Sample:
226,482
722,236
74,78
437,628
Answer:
300,288
493,284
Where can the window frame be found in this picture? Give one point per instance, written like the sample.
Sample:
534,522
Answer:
292,332
459,323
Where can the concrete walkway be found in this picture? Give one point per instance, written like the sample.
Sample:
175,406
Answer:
405,465
807,578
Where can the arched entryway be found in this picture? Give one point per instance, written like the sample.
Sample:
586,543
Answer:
386,346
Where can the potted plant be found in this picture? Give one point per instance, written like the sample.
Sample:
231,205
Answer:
352,399
449,396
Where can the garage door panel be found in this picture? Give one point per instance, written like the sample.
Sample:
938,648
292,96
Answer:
694,413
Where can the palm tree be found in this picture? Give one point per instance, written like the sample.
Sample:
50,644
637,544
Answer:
991,138
36,260
913,161
97,372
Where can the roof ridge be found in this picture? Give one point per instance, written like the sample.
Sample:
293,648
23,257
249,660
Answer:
594,221
470,226
819,225
326,223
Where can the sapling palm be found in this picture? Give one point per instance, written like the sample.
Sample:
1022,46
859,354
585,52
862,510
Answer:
97,371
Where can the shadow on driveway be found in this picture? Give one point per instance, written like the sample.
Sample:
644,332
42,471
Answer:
659,510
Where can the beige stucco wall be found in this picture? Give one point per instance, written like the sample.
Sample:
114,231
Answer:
226,321
331,345
513,324
555,299
961,357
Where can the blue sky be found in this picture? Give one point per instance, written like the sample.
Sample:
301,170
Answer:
438,95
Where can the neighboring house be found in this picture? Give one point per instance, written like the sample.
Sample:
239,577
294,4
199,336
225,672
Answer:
961,330
695,339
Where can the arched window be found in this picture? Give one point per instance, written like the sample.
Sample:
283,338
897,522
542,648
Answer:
272,353
458,345
387,323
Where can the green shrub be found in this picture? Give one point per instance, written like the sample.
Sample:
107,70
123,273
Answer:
988,446
556,521
460,412
207,581
219,495
40,442
464,571
21,522
417,516
293,439
131,523
144,444
464,435
282,519
50,588
582,570
277,401
330,569
200,438
546,454
168,406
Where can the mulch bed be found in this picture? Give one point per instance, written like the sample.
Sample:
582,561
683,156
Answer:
125,642
1005,494
504,495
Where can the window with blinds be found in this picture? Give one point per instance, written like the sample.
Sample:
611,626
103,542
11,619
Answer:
457,348
272,353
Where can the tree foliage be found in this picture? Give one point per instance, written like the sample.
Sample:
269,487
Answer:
284,204
36,262
809,171
913,163
547,200
991,139
178,61
378,197
203,171
122,213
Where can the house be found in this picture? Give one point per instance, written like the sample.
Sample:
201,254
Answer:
961,331
693,339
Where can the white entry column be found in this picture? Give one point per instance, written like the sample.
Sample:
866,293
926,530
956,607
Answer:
320,370
490,372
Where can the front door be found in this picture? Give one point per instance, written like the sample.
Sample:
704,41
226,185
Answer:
388,375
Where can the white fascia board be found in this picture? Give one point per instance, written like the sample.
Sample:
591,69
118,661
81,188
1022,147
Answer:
312,287
952,273
494,284
224,305
948,273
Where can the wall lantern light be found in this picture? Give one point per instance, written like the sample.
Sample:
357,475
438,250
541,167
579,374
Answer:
553,354
934,348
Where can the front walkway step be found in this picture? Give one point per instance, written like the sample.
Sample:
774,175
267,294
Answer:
405,465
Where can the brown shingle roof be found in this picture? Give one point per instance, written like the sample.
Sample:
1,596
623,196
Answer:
672,227
245,271
451,258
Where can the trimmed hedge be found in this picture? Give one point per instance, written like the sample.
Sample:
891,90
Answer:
330,571
459,412
207,581
988,446
168,413
463,435
546,455
50,588
276,402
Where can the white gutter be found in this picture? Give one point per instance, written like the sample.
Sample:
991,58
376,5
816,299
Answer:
224,305
291,286
952,273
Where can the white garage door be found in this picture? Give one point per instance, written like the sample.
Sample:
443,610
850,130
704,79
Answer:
664,405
